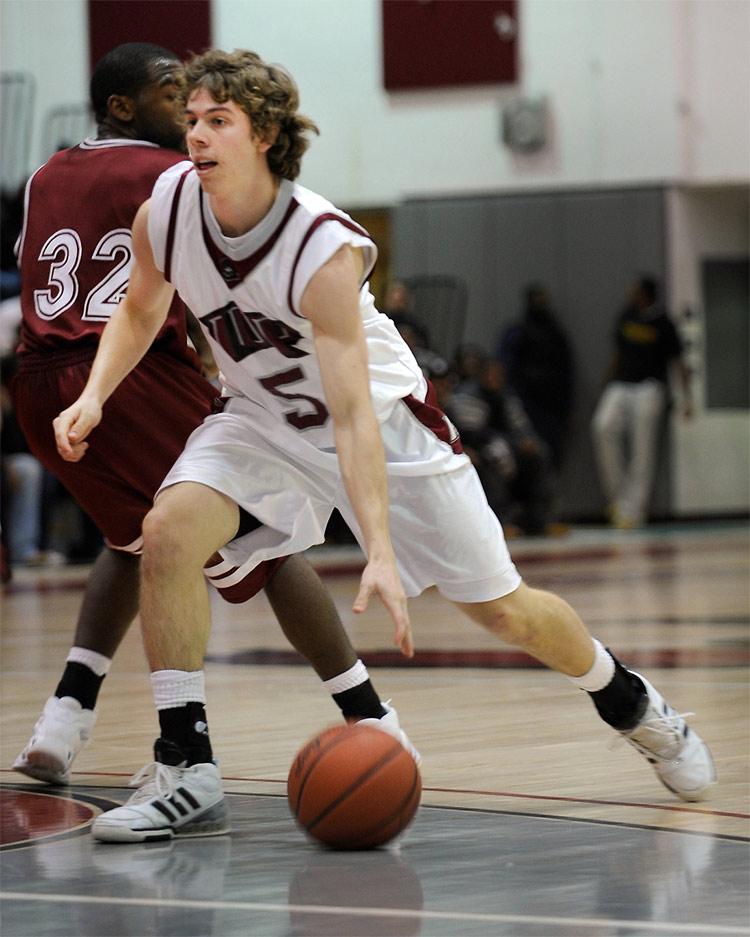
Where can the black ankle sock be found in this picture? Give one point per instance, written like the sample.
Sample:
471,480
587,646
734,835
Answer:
361,702
80,682
623,701
187,728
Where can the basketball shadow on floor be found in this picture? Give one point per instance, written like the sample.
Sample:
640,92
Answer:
457,871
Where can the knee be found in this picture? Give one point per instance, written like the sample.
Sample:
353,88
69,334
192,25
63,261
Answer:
505,618
166,537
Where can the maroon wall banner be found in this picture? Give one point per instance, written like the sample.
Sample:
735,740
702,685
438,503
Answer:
182,26
438,43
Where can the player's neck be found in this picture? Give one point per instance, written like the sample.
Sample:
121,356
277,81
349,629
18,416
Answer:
109,130
238,212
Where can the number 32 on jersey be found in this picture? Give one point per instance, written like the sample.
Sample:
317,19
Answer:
64,252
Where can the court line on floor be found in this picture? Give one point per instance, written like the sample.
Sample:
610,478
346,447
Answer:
731,654
649,927
584,800
677,808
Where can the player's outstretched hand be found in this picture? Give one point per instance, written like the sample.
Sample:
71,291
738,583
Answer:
382,579
73,425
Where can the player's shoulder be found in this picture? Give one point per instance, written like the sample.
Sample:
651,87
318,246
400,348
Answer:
168,182
317,208
140,150
173,174
136,163
314,204
154,161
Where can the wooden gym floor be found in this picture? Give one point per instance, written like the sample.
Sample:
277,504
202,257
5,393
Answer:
532,823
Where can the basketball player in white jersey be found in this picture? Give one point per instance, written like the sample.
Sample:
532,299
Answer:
85,196
326,407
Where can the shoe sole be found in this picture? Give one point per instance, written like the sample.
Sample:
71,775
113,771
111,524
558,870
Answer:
212,822
44,768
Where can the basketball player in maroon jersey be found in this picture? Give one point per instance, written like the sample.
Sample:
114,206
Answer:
75,254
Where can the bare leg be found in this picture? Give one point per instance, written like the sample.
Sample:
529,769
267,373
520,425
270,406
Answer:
309,619
187,524
542,624
110,602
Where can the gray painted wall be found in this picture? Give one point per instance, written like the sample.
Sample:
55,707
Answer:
586,247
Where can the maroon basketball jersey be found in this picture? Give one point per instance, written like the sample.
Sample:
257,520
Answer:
75,252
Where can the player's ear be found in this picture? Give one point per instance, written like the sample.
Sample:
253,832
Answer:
121,107
265,144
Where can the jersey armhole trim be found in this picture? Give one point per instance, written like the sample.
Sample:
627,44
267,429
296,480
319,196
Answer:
326,216
172,225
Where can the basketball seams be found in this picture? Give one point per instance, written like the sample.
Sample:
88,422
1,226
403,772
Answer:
385,760
305,768
408,806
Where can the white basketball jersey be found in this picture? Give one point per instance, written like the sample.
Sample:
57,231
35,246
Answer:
246,293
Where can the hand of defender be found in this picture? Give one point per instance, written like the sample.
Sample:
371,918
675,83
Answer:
72,426
382,579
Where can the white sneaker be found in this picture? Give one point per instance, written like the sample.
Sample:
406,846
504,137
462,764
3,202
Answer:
680,757
62,730
389,723
171,800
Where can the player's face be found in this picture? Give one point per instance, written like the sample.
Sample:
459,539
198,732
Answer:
159,115
221,142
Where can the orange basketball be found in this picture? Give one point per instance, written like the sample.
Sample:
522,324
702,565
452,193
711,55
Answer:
354,787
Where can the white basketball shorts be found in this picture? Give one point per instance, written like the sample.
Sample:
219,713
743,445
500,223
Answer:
443,531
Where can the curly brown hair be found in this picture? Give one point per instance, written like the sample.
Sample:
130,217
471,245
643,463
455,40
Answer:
266,93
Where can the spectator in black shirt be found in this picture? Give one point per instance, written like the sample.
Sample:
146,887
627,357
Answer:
629,412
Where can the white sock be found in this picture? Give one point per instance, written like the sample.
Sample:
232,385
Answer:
173,688
601,672
96,662
348,679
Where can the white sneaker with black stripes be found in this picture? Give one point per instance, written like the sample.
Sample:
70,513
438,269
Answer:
678,755
172,801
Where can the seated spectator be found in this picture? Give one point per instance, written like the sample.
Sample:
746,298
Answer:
41,524
11,221
398,305
468,363
512,461
21,483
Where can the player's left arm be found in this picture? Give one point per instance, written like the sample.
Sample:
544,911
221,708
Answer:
331,303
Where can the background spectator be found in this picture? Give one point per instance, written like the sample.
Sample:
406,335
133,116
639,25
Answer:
536,354
627,417
511,459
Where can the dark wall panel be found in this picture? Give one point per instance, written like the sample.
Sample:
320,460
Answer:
726,292
586,247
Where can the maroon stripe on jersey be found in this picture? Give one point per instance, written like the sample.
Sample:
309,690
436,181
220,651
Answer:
172,224
432,418
326,216
233,272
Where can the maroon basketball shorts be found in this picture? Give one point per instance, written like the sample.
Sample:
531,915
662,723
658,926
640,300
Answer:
146,423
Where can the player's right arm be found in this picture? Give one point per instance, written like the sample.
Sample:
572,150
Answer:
125,340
